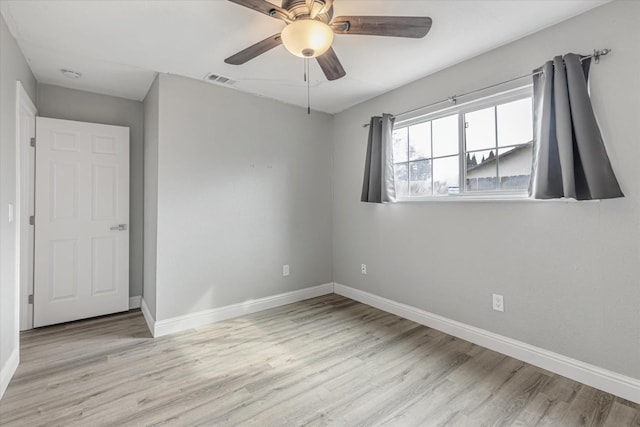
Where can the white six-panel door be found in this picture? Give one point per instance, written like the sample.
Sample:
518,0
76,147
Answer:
81,221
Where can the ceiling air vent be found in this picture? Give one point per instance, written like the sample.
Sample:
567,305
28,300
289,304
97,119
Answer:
214,78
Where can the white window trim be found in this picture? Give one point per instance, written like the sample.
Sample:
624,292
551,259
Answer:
460,109
436,112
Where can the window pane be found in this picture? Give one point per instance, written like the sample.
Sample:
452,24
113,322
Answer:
420,178
515,167
515,123
480,129
481,174
401,178
420,141
400,145
446,176
445,136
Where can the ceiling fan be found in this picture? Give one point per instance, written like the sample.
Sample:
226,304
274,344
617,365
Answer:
311,27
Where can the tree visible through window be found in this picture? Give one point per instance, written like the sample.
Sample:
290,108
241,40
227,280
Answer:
481,148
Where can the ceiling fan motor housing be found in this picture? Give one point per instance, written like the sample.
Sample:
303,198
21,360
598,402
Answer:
298,9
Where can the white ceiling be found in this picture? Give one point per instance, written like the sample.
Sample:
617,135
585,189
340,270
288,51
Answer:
119,45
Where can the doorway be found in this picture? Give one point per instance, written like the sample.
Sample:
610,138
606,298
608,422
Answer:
72,216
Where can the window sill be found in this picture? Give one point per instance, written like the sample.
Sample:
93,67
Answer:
487,199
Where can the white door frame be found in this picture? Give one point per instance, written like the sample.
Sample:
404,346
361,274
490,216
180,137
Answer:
24,168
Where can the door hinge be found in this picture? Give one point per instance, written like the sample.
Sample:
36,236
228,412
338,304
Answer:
32,142
31,299
32,220
466,125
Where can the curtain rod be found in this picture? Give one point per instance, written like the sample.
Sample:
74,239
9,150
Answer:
454,98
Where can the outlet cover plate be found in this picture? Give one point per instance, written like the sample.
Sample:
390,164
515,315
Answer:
498,302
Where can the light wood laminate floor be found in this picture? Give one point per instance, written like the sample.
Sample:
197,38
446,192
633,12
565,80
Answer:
324,361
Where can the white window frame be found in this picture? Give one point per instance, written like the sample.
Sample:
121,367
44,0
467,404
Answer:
461,109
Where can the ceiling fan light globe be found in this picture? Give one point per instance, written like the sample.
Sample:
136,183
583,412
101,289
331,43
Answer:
307,38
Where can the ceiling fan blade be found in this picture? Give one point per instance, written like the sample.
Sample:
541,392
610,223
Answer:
391,26
255,50
264,6
331,66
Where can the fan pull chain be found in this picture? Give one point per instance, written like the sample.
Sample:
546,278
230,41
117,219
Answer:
308,77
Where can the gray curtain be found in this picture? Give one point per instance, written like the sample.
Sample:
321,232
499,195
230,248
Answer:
570,159
378,186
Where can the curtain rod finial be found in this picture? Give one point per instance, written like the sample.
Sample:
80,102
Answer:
598,53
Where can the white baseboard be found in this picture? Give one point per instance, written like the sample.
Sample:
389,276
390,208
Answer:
194,320
148,317
134,302
7,371
594,376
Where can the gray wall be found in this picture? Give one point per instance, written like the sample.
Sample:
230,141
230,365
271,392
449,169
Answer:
151,127
568,271
69,104
13,67
244,186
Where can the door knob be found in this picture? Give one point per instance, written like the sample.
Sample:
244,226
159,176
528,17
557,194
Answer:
119,227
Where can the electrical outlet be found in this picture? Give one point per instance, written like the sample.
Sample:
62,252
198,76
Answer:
363,268
498,302
285,270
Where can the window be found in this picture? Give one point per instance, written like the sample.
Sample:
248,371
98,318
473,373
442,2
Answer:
481,148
